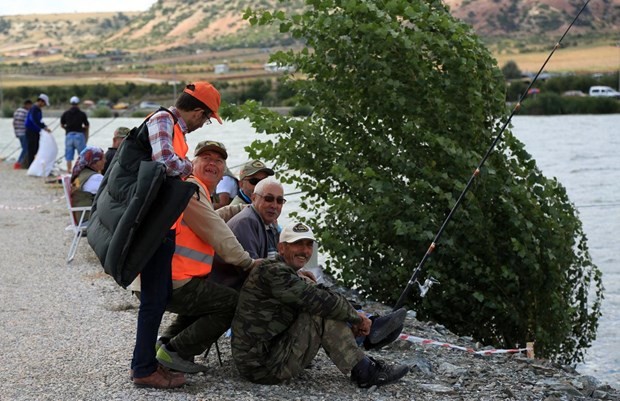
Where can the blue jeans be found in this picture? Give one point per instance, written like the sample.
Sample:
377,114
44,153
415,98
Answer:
22,156
155,291
74,141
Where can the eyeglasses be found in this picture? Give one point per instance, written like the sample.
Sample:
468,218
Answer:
254,180
206,115
270,198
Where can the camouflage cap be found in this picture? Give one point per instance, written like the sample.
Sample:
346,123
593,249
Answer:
252,167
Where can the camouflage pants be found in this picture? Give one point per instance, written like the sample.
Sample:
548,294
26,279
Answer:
204,311
291,352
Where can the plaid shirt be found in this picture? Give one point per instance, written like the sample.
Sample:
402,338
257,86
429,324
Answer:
161,127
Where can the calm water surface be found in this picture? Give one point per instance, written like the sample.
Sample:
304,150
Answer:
583,152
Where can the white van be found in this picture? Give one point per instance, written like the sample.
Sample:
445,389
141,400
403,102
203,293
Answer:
604,91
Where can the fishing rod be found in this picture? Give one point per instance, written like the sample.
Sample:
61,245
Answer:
430,281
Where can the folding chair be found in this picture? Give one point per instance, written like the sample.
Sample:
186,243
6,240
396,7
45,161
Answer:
77,226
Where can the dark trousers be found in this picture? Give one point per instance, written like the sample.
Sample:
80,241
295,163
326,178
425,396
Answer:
33,144
155,291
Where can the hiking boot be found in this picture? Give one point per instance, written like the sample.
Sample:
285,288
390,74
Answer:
384,326
172,360
161,378
390,338
373,372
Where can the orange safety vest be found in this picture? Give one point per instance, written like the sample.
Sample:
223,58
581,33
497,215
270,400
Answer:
192,256
179,144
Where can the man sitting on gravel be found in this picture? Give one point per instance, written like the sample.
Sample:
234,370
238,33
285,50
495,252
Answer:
282,319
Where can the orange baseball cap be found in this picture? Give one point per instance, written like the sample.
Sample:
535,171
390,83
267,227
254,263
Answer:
206,93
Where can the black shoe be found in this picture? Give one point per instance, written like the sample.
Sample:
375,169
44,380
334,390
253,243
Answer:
378,373
390,338
385,326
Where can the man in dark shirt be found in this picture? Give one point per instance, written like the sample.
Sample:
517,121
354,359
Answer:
75,122
34,125
282,319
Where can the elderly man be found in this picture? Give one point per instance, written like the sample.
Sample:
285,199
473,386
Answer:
204,309
281,321
251,174
256,229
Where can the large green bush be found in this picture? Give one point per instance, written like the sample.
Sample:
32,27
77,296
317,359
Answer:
405,102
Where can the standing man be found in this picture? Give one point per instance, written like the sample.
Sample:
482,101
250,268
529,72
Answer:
282,319
119,135
256,229
76,125
135,234
251,173
19,127
204,309
34,125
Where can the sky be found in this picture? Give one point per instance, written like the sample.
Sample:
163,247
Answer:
71,6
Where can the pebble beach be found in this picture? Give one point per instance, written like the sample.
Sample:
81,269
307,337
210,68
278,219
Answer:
68,330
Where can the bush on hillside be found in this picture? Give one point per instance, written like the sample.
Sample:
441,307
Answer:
394,136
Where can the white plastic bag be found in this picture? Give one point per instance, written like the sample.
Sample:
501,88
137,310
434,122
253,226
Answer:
46,156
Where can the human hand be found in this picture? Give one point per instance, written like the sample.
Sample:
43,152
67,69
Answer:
362,328
307,274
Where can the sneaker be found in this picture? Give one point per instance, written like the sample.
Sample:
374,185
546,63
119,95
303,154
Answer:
378,373
390,338
17,166
160,341
165,371
385,326
161,378
172,360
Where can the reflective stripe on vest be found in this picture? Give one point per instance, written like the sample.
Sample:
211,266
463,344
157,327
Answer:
192,256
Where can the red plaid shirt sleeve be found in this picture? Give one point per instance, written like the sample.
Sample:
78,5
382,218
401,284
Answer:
161,127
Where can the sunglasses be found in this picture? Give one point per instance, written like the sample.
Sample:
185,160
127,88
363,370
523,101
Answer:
254,180
270,198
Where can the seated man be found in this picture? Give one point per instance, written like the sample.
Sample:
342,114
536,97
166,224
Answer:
226,190
251,173
204,309
118,137
281,320
256,229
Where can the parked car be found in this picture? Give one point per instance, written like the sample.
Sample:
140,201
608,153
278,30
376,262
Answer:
604,91
576,93
149,105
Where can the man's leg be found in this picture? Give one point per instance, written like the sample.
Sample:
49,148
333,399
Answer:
24,153
33,145
206,309
156,286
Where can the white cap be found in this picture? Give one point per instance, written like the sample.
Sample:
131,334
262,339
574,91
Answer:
74,100
44,97
295,232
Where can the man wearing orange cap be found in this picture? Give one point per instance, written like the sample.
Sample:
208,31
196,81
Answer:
146,246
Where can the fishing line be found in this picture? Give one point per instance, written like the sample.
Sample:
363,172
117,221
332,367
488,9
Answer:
430,281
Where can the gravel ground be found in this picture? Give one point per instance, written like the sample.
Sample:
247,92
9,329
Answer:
68,333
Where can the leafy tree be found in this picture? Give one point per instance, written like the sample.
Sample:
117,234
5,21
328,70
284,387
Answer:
511,70
405,99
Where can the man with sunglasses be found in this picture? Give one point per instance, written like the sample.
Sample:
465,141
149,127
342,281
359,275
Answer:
282,320
256,230
251,174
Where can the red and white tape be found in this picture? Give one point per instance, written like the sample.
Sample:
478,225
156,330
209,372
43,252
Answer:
419,340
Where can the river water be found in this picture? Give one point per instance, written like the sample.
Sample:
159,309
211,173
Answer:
582,151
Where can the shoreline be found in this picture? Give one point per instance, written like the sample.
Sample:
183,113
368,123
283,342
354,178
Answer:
68,333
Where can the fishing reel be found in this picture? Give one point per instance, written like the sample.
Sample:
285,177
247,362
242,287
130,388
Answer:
428,283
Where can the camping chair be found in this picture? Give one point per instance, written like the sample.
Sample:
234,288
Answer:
77,226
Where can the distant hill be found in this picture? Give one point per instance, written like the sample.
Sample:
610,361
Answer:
180,23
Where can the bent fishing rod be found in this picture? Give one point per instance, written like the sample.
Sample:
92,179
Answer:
430,281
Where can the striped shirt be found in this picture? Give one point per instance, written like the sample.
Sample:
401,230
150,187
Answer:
161,128
19,121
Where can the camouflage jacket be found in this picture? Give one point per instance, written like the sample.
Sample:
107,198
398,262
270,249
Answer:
270,301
